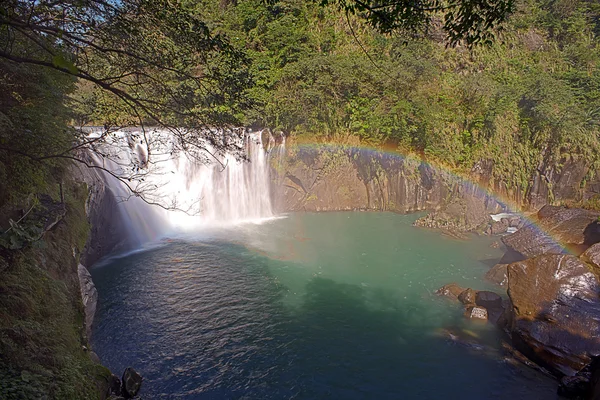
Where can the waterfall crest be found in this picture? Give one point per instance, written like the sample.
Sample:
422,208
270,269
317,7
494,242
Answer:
186,193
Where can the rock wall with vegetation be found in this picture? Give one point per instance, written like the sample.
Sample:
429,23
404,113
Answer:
43,340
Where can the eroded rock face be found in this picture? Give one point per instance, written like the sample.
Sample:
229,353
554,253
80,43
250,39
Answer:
556,226
89,296
555,309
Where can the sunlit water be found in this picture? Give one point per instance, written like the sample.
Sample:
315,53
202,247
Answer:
313,306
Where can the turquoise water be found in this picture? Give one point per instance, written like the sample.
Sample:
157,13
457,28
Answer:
311,306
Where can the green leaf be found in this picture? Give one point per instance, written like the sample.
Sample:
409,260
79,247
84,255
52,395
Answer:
60,62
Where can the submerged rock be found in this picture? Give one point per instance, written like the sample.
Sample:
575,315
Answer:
467,297
131,383
451,290
555,309
498,274
476,312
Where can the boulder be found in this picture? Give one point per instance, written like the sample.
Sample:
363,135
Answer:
476,312
451,290
131,383
592,256
555,309
489,300
553,227
498,274
467,297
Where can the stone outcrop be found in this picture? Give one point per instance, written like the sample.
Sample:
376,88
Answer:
346,178
480,305
554,312
464,214
555,227
89,297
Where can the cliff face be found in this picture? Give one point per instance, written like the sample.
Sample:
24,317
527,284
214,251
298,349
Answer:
43,340
330,179
108,230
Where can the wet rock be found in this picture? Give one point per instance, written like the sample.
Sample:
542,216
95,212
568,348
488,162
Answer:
89,296
476,312
495,245
466,214
573,387
576,228
467,297
489,300
592,256
451,290
554,312
131,383
497,227
114,386
498,274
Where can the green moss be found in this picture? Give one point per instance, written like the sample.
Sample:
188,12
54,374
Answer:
41,315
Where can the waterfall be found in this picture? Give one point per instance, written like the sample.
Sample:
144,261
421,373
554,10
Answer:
186,193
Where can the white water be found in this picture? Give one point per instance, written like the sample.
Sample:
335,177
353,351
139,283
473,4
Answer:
189,194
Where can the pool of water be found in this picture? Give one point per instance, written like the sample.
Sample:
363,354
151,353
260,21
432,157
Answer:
311,306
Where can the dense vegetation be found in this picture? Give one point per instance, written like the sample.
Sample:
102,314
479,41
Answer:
531,97
318,72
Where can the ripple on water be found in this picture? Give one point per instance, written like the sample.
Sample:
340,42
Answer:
240,318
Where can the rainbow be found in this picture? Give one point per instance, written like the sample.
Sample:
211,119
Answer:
464,179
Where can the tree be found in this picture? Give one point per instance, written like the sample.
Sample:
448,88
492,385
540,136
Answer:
471,21
146,63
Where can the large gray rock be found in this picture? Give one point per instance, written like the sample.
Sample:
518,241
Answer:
555,312
555,227
89,296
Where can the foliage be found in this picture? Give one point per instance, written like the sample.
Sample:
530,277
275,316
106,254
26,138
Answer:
527,100
41,316
469,21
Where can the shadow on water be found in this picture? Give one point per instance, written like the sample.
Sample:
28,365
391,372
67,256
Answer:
208,320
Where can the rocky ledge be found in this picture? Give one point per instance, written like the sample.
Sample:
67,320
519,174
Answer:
551,274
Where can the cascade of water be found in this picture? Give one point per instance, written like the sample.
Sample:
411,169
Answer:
225,192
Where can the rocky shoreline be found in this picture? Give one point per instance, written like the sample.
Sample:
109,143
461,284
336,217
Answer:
551,313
